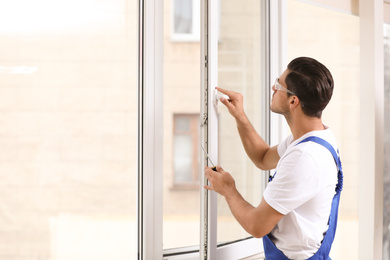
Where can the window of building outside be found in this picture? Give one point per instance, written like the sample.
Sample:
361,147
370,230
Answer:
183,16
332,37
386,175
186,151
68,135
185,20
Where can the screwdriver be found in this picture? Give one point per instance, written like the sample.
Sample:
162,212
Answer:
214,168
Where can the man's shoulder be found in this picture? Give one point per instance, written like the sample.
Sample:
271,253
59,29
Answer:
325,134
289,143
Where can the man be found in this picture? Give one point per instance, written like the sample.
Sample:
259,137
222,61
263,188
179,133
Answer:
295,211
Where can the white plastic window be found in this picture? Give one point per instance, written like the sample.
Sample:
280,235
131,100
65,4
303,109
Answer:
168,155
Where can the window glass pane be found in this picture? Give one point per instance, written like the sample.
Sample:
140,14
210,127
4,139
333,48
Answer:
386,188
332,38
183,16
240,69
68,107
183,158
182,124
181,210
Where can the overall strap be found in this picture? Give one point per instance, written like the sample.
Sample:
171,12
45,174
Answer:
273,253
335,155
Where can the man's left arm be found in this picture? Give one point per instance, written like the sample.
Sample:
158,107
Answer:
257,221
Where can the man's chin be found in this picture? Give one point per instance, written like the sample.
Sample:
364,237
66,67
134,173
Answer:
273,109
276,111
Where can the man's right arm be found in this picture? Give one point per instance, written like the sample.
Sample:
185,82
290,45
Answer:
261,154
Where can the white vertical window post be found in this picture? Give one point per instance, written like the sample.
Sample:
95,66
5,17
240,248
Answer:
209,125
277,56
150,165
371,129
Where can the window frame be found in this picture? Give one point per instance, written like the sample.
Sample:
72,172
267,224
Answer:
151,138
150,122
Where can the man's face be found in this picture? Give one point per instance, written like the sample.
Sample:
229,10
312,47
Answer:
279,103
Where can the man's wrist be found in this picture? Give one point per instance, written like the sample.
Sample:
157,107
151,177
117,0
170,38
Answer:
232,195
243,122
242,119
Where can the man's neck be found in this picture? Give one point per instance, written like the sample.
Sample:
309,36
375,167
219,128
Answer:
303,125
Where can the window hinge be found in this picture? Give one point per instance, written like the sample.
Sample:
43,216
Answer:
204,120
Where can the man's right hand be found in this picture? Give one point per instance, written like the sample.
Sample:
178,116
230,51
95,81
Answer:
234,104
261,154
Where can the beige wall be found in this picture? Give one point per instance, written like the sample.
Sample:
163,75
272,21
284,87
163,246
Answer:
68,131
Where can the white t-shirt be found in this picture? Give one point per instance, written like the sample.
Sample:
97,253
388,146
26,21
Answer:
302,190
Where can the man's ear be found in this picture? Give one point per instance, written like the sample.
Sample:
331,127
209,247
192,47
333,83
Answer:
294,101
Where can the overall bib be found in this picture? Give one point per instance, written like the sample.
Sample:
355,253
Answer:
273,253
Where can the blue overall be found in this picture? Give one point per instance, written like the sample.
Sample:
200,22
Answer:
273,253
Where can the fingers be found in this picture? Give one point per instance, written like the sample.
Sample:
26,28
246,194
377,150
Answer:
234,97
212,175
227,103
208,187
225,91
208,173
219,169
219,181
234,104
231,94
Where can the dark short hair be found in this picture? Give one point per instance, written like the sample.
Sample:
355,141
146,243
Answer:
312,83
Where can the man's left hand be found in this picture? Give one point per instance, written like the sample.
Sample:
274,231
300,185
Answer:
220,181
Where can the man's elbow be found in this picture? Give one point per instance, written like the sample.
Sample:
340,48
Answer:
259,231
267,160
263,166
259,165
259,234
